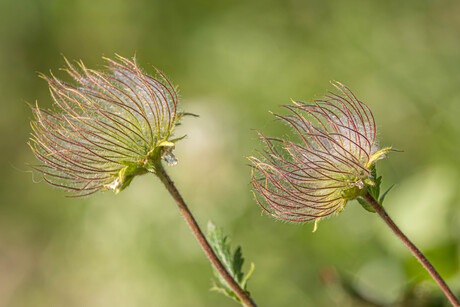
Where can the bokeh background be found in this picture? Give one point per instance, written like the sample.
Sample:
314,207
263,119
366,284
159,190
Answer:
235,61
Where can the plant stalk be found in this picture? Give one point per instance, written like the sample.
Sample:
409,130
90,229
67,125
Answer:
414,250
190,220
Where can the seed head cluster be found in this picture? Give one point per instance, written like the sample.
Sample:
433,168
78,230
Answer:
104,129
327,163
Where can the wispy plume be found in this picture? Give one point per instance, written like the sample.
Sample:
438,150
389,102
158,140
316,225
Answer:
105,128
329,165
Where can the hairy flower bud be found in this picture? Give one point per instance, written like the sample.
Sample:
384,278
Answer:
330,165
106,128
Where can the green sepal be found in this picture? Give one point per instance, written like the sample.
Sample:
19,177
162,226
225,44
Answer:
233,262
189,114
182,114
178,139
382,198
374,190
365,204
352,192
125,176
132,169
369,181
164,143
377,156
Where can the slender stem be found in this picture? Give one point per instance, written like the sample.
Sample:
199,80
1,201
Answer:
414,250
169,184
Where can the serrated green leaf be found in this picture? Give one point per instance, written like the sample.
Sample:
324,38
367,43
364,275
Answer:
238,263
233,262
365,204
375,189
382,198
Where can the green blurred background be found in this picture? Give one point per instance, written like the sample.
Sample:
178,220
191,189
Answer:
235,61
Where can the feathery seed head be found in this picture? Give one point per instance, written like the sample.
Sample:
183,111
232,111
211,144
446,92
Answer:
332,163
106,128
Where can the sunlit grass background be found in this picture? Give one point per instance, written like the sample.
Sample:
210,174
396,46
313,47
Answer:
235,61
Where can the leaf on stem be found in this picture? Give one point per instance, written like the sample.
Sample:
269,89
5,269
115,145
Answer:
233,262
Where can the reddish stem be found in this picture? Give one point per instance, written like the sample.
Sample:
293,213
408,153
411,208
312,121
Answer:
414,250
169,184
